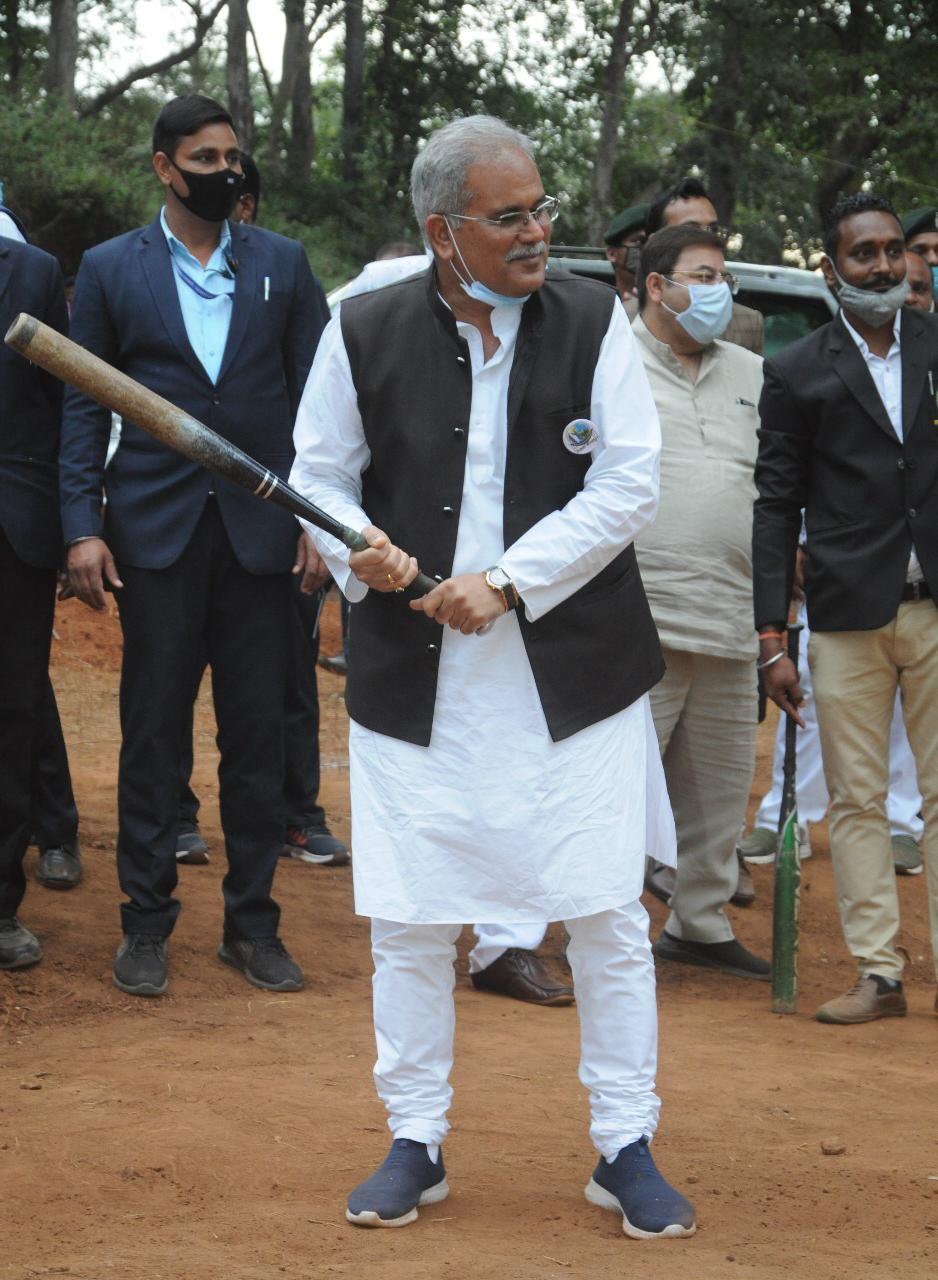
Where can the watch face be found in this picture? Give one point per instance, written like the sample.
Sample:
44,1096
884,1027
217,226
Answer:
498,577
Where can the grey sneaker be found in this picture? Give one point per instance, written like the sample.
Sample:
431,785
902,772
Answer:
265,962
906,857
60,866
140,965
867,1000
761,845
18,947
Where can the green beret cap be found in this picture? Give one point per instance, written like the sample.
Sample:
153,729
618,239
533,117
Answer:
919,220
624,223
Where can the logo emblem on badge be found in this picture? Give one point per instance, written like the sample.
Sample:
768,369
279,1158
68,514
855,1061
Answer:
580,436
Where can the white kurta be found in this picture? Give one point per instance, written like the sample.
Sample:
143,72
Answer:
495,821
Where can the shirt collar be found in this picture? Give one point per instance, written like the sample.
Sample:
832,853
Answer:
709,353
862,343
215,263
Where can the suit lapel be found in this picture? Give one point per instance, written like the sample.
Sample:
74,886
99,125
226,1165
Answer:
158,269
852,370
245,292
6,268
914,360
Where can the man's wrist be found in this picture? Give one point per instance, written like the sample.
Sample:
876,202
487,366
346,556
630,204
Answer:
497,580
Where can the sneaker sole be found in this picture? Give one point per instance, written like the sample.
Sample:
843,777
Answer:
909,871
316,859
368,1217
142,988
24,963
604,1199
229,958
701,962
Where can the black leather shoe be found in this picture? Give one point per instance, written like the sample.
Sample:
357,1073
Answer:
728,957
521,975
60,867
140,965
18,947
190,847
745,894
660,880
265,962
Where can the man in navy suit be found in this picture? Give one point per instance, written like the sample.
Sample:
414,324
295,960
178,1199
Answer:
223,320
30,553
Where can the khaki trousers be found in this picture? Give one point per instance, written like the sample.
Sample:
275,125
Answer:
705,716
855,675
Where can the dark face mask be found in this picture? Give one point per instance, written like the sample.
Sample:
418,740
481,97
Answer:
632,256
212,196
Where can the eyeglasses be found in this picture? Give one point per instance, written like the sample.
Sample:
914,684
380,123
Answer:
709,277
543,214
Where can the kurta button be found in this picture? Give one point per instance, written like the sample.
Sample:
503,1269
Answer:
461,359
912,513
432,649
902,464
448,512
459,432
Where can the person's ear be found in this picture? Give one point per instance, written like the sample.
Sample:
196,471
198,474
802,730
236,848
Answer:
163,168
440,237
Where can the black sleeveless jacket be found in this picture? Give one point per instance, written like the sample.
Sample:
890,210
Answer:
592,655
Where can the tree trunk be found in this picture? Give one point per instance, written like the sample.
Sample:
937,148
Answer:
613,85
14,41
301,149
352,89
295,51
63,50
236,73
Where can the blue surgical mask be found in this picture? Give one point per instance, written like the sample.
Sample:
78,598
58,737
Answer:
710,310
476,289
934,282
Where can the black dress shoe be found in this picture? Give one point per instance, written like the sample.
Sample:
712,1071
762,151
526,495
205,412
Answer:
59,867
728,957
521,975
18,947
140,965
660,880
265,962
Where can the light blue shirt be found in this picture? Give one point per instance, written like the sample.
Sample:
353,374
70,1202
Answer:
206,319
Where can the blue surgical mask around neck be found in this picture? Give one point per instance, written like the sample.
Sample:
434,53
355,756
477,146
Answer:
476,289
710,310
934,282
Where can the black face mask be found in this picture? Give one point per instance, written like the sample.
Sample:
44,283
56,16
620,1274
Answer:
212,196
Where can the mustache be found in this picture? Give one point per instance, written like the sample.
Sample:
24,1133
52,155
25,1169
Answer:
527,251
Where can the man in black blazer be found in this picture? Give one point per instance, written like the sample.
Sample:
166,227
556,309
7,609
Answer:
850,435
222,319
30,553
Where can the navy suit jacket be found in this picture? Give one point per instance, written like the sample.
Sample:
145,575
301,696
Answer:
126,310
30,409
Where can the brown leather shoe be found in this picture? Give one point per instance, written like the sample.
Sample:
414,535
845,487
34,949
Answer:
864,1002
521,975
745,894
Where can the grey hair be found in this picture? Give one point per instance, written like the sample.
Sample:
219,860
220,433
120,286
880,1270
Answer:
438,178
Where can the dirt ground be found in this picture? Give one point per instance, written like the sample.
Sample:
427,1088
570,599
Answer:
213,1134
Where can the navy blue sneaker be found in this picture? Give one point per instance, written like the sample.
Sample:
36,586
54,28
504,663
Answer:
631,1185
408,1177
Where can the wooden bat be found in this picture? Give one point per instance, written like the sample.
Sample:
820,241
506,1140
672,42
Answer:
171,426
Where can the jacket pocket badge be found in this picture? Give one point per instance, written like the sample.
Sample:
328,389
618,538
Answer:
580,436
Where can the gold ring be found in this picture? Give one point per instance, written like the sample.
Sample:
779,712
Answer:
391,581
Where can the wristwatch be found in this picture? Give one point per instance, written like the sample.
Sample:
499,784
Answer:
499,581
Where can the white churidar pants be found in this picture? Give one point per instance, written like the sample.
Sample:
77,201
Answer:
903,803
414,1015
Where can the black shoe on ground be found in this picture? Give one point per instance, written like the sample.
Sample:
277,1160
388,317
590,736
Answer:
190,847
408,1178
18,947
660,880
315,844
631,1185
727,957
265,962
60,867
140,965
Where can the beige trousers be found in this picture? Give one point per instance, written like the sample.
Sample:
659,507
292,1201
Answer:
855,675
705,716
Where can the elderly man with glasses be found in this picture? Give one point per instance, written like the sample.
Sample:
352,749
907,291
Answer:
696,563
498,430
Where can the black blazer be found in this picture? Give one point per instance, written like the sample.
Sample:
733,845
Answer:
826,445
30,409
127,311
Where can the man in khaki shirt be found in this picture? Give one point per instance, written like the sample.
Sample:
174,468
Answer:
696,564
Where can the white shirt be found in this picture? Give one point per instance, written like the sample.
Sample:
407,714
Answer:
495,821
9,228
887,376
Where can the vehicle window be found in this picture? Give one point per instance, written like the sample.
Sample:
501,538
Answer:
787,318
